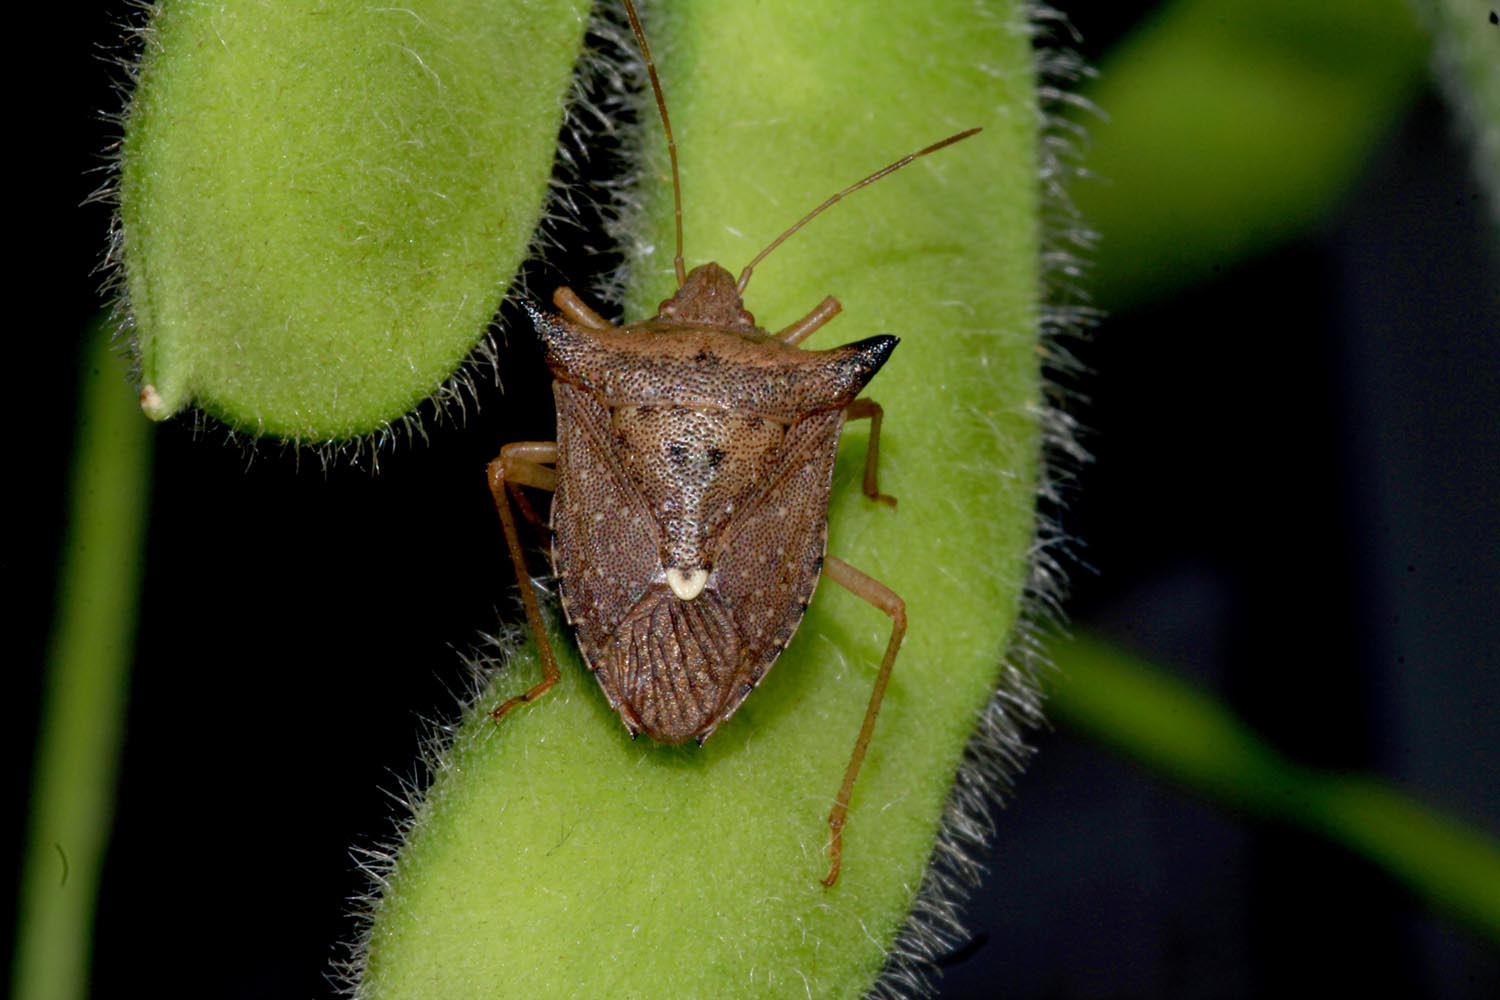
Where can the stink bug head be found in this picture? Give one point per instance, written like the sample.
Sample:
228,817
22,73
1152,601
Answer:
709,297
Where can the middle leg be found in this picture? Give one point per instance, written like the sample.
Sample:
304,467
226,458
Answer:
862,409
525,463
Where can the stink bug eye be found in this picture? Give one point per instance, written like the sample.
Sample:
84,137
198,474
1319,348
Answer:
691,478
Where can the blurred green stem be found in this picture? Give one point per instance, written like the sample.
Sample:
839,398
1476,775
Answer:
84,697
1156,720
1467,37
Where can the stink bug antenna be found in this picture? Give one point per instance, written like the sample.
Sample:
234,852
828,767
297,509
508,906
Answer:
666,124
888,169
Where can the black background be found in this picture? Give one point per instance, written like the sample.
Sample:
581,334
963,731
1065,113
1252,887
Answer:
1319,544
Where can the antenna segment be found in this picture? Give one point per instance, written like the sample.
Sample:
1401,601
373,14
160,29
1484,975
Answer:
877,175
666,124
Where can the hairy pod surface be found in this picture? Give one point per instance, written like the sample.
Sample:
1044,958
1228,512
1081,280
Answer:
321,205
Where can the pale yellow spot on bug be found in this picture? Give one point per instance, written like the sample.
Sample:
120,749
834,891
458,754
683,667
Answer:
687,585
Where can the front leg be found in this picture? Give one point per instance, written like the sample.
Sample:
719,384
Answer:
525,463
577,311
809,324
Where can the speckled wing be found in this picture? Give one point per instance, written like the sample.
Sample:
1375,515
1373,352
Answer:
666,665
673,664
605,544
772,553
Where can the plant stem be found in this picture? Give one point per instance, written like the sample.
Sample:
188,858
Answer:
1166,725
88,666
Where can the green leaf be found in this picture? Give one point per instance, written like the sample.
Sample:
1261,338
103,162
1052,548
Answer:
554,857
322,204
1232,125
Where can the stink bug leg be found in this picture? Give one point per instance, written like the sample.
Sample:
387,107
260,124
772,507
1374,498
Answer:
525,463
578,311
862,409
870,589
807,325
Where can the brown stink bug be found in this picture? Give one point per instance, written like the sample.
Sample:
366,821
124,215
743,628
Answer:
692,470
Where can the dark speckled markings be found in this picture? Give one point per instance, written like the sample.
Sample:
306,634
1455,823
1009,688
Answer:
692,469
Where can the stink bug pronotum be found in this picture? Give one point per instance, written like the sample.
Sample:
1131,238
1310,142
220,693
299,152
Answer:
692,470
